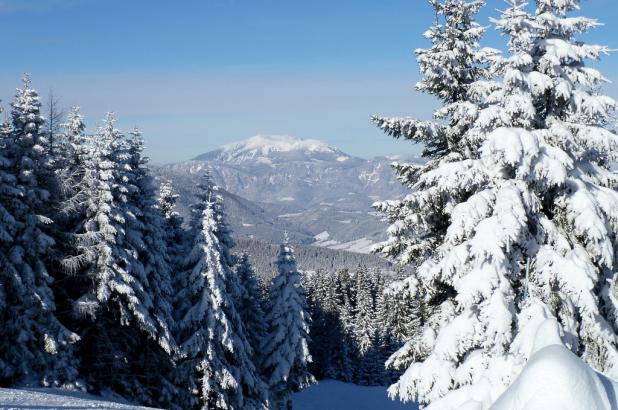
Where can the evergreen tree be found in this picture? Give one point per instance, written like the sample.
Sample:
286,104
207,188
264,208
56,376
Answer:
364,319
402,313
109,283
450,68
54,116
174,232
251,306
35,346
155,355
71,153
285,348
520,228
217,364
343,283
370,364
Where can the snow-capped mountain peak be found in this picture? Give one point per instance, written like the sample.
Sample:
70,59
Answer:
265,144
273,148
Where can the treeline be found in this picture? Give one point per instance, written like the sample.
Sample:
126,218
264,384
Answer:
104,288
311,258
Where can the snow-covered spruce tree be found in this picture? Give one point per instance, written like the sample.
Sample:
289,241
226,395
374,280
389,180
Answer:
285,349
72,149
364,325
402,314
70,155
174,232
528,215
344,286
250,306
34,347
449,66
154,356
111,291
217,367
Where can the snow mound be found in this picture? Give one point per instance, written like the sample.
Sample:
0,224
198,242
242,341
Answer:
57,399
554,378
335,395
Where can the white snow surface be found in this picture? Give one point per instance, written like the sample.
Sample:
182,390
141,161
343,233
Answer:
335,395
322,236
362,245
40,398
554,378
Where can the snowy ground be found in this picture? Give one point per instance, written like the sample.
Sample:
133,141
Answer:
326,395
334,395
45,399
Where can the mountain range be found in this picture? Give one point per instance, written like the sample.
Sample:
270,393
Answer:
314,192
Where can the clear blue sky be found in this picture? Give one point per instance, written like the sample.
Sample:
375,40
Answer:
194,74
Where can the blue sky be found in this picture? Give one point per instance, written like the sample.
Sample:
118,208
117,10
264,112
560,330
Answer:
195,74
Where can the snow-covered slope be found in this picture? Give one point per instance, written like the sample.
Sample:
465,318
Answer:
306,185
335,395
57,399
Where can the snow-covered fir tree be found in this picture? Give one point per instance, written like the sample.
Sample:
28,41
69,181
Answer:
285,349
35,347
516,226
110,285
345,310
71,152
449,66
364,315
217,366
250,306
371,341
402,313
174,232
155,356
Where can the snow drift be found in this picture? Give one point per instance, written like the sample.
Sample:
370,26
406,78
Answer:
554,378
